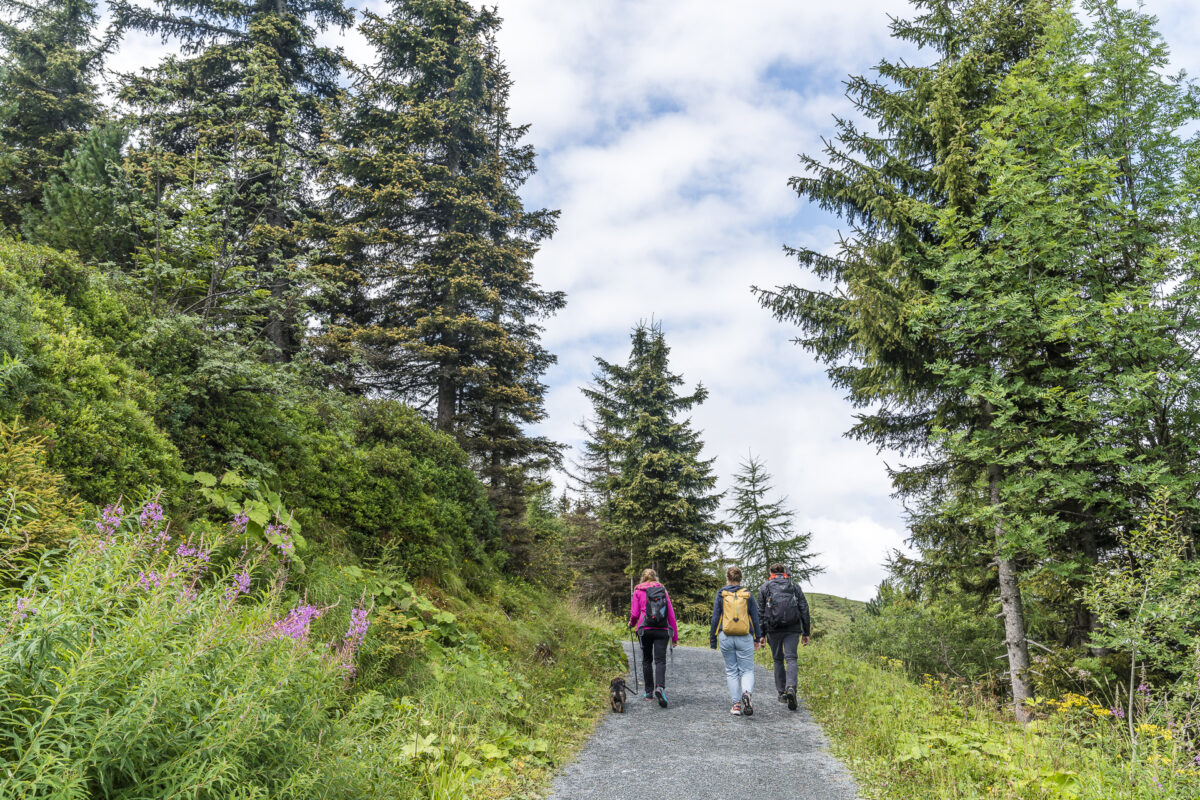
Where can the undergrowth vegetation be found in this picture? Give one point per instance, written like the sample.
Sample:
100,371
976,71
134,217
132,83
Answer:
939,738
156,661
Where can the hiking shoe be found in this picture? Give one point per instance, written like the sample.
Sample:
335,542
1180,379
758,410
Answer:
646,696
783,697
747,708
660,694
736,710
790,696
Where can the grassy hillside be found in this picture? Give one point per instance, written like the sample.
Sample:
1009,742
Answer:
832,614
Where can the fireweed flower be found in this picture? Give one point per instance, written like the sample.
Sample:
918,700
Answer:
110,520
186,550
25,607
354,638
148,580
239,523
1118,712
295,624
1143,689
240,585
286,545
151,516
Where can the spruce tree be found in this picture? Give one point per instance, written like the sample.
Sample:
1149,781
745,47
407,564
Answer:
439,305
49,65
227,132
885,185
660,498
766,534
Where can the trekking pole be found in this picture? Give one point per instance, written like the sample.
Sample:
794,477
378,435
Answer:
633,662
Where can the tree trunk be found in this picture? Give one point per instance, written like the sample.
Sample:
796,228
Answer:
1013,613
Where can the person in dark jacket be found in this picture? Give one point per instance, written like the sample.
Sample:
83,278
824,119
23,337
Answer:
786,623
735,614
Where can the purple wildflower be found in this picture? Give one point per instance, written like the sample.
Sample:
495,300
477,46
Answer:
239,523
295,625
354,638
110,520
151,516
25,608
186,550
146,580
1118,712
240,585
1143,689
286,546
1198,759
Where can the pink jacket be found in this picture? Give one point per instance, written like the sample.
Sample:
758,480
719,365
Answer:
637,609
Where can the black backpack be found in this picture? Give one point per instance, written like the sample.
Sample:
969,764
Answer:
656,607
783,610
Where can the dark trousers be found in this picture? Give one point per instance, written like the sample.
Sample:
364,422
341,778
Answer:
783,650
654,646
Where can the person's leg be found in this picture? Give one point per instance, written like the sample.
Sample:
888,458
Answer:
728,653
790,642
660,657
745,662
777,650
647,661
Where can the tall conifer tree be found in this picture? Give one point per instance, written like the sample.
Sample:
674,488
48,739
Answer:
228,129
49,65
884,183
439,306
659,497
766,534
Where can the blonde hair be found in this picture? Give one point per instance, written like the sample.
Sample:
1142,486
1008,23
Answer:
649,575
734,575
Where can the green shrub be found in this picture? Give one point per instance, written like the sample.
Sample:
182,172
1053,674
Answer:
37,512
98,408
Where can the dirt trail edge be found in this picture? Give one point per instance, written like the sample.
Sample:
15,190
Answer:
696,750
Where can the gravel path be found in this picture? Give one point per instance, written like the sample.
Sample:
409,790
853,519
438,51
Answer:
696,750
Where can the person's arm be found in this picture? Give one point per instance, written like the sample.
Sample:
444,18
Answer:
755,621
762,604
635,607
716,618
805,621
671,621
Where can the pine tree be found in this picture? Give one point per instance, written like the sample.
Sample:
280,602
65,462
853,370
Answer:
89,207
48,94
228,130
765,529
659,496
439,306
887,186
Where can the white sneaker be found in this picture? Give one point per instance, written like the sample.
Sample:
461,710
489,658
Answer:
736,710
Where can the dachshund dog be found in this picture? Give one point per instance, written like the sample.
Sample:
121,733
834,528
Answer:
616,695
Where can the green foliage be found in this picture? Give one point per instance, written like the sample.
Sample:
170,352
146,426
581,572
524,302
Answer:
401,483
97,406
37,511
946,636
766,529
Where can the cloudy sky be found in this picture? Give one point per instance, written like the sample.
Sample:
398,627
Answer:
666,132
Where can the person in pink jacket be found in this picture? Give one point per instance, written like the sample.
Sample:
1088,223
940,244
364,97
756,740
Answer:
651,612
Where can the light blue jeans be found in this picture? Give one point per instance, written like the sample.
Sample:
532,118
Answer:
738,652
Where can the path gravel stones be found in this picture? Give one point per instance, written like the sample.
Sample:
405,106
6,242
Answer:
696,750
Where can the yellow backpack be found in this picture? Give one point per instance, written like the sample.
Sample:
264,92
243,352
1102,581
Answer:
735,612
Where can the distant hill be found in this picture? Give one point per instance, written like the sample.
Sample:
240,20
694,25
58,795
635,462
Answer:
831,613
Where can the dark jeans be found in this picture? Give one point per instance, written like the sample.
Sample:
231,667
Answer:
654,644
783,647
